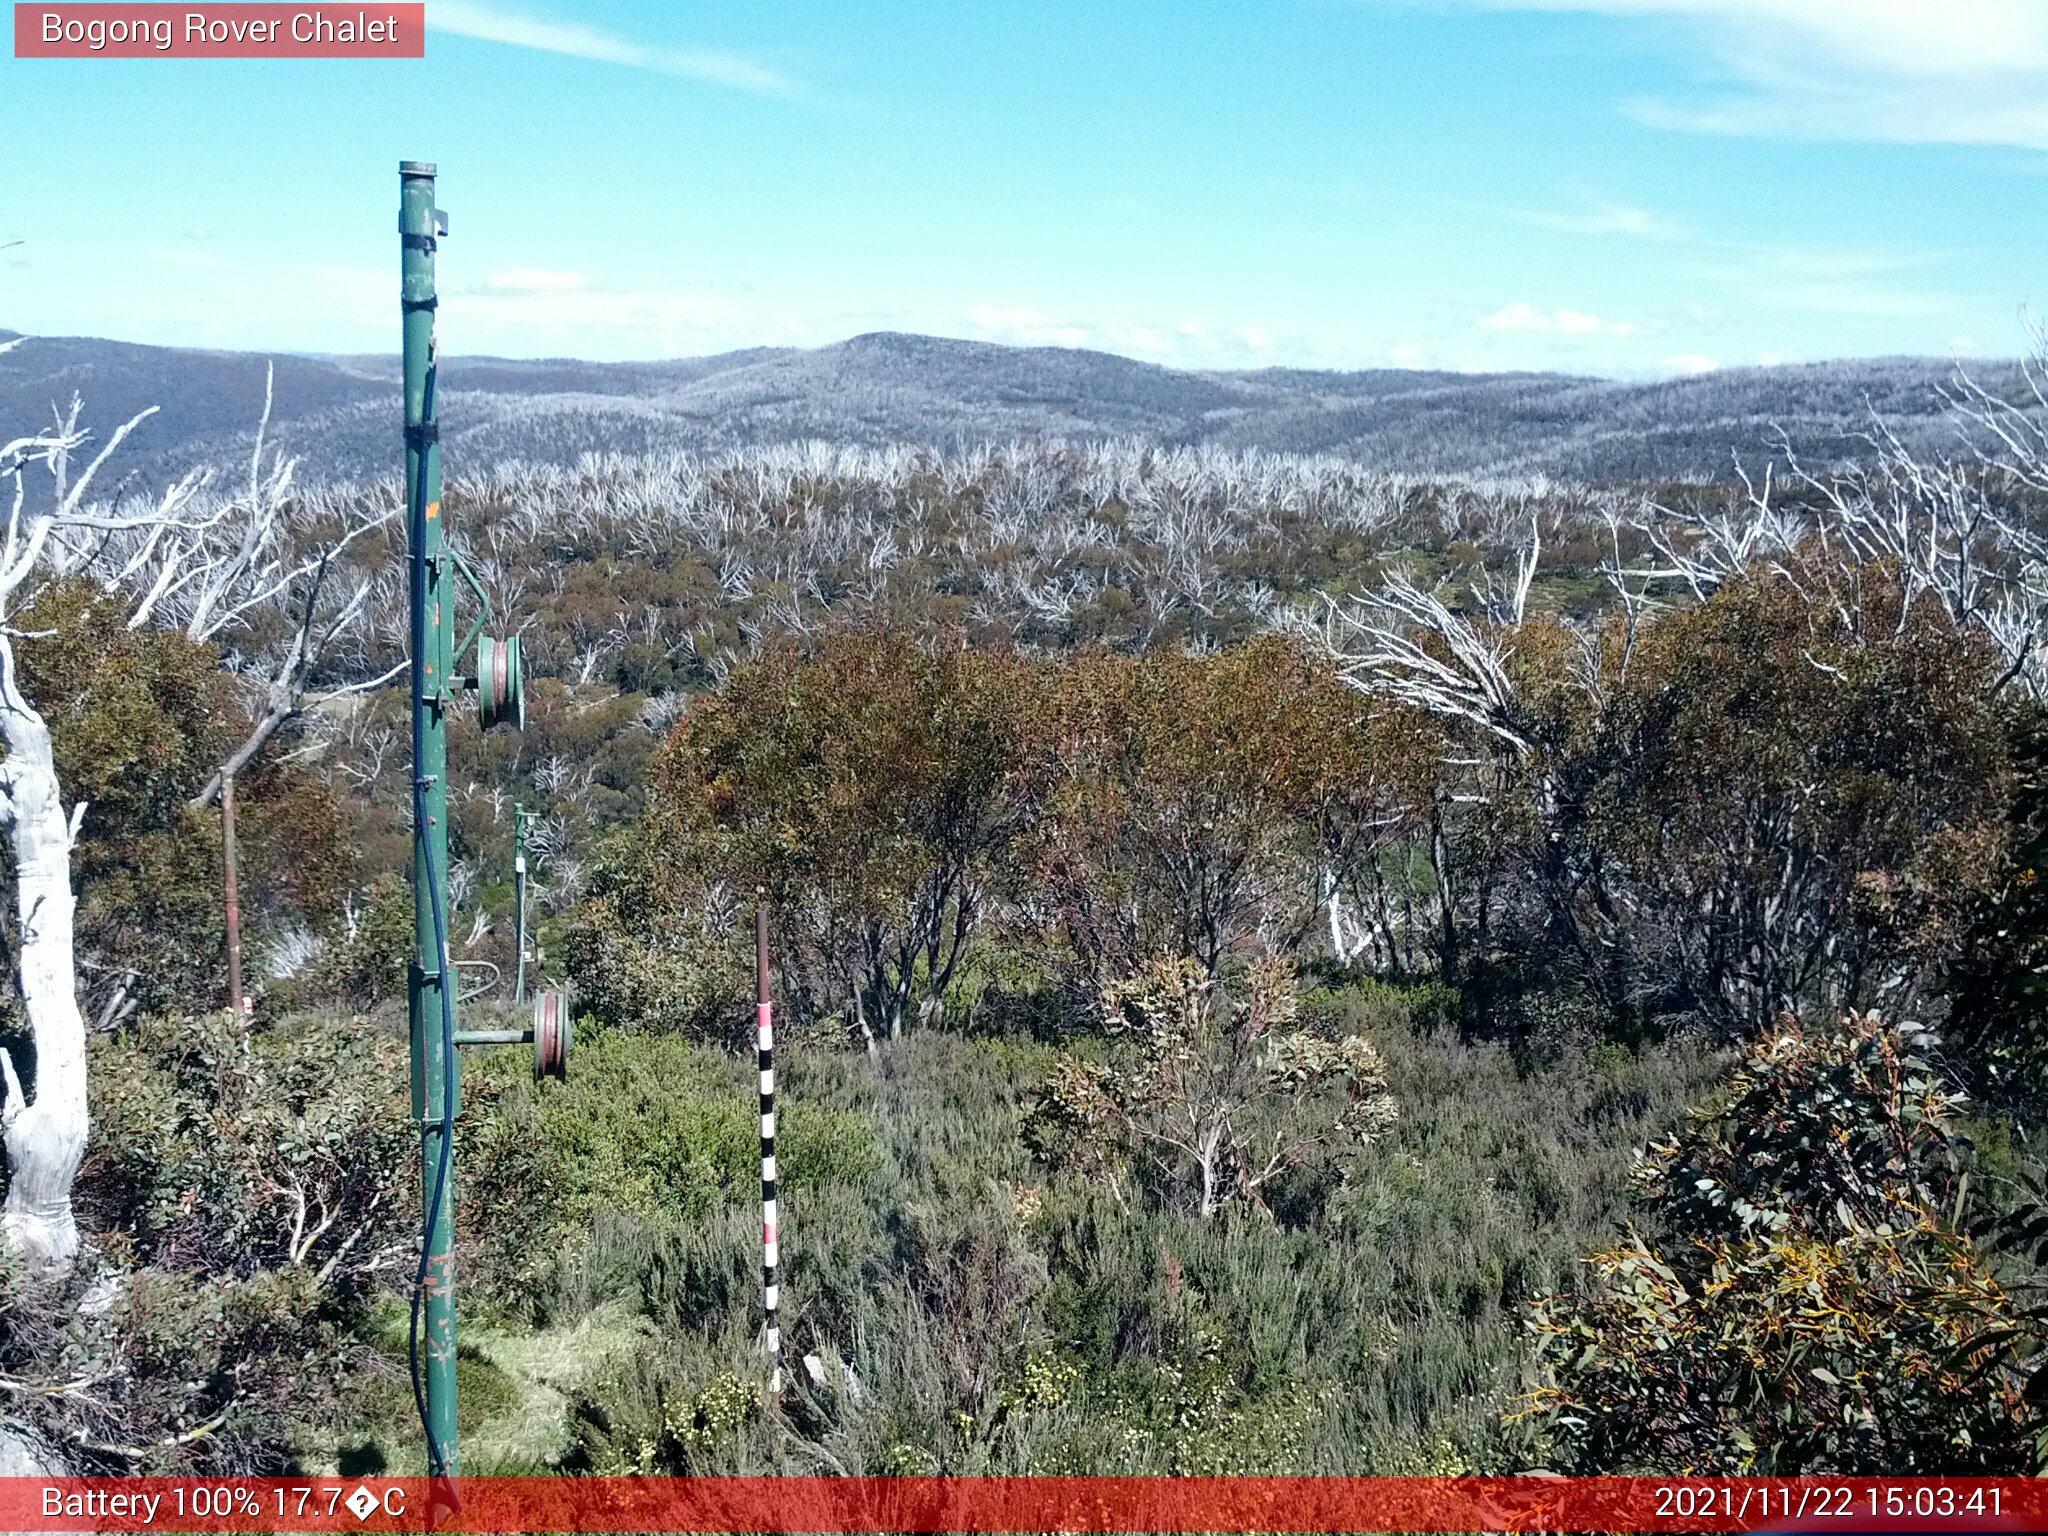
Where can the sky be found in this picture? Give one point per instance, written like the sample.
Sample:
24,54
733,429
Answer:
1631,188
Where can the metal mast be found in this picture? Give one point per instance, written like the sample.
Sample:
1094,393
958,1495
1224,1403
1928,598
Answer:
431,984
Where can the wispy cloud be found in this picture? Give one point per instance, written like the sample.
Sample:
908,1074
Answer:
1954,39
574,40
1689,363
530,280
1554,322
1187,342
1871,284
1910,71
1030,327
1603,220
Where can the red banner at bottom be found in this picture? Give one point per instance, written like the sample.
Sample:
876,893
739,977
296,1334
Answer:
1007,1504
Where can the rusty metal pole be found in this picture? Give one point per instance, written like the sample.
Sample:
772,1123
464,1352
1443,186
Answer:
237,999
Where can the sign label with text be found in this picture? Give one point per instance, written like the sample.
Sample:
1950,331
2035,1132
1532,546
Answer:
240,31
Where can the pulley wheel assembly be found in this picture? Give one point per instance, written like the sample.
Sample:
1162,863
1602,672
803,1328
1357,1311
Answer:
551,1032
500,682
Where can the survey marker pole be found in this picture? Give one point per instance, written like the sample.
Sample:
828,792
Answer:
430,989
771,1226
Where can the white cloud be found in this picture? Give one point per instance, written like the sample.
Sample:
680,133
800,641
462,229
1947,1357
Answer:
1187,343
1406,355
1029,328
1555,322
1919,38
1873,285
574,40
1605,219
1689,363
1913,71
531,280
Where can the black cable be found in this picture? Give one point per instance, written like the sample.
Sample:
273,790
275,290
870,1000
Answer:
437,1460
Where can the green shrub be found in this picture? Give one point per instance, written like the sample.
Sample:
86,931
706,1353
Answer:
369,964
246,1191
1998,985
230,1150
1812,1311
646,1416
1862,1353
654,972
1218,1097
646,1129
1847,1125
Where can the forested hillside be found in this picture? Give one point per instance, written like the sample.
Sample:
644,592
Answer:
1287,966
887,389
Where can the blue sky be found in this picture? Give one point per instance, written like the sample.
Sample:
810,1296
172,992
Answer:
1626,187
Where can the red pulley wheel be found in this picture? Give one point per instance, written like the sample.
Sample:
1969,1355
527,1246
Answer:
500,682
551,1032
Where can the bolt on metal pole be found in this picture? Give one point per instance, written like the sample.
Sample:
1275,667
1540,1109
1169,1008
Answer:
435,1072
236,1000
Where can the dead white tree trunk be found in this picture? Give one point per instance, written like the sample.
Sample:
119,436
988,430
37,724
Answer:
45,1138
45,1125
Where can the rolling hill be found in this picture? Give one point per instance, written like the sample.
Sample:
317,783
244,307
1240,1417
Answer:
338,414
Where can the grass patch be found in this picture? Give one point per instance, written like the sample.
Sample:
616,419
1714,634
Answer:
968,1311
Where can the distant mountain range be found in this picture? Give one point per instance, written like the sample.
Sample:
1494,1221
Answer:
339,414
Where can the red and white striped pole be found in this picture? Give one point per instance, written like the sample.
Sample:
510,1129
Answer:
771,1247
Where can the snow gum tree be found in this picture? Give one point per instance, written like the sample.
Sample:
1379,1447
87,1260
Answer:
53,532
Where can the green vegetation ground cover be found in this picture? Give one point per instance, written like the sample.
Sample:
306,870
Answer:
978,1314
1797,811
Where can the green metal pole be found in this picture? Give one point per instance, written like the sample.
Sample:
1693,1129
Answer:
435,1073
519,819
